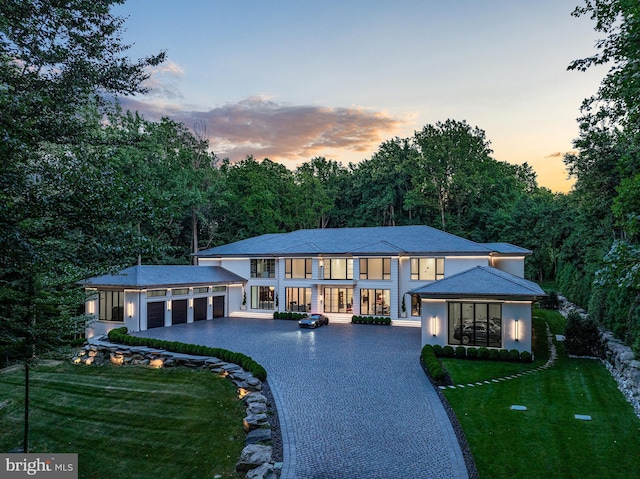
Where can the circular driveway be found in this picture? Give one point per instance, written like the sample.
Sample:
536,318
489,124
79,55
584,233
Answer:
353,400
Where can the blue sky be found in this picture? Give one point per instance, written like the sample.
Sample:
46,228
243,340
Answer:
291,80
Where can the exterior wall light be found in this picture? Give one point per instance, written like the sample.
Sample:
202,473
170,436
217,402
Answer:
434,325
191,302
169,305
517,330
130,309
91,307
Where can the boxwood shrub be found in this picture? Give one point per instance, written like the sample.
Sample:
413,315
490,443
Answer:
483,353
371,320
447,351
119,335
461,352
514,355
289,315
494,354
437,349
526,357
431,363
472,353
503,355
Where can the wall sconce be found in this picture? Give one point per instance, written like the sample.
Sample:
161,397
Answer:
210,301
434,325
517,329
169,305
91,307
191,302
130,309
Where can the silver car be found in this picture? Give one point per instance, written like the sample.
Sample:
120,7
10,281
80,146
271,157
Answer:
313,321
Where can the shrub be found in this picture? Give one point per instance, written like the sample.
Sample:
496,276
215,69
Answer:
437,350
550,301
461,352
582,337
494,354
431,363
447,352
525,357
503,354
472,353
514,355
483,353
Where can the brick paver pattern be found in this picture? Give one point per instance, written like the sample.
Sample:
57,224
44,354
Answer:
353,399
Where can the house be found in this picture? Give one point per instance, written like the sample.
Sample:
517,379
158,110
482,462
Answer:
456,290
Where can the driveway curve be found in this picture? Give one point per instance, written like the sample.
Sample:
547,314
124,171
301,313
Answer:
353,400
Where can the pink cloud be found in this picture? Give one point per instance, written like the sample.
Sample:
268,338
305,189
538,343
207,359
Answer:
266,129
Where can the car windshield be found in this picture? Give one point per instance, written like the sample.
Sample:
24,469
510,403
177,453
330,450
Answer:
313,316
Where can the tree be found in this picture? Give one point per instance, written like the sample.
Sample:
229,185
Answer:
57,58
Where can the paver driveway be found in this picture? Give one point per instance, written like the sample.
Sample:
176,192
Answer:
353,400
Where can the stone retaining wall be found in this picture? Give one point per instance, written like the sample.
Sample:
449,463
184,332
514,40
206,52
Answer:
619,359
255,458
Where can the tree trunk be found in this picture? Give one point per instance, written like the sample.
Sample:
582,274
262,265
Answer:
194,233
26,407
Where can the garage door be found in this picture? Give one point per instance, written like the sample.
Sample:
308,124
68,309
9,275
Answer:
155,314
199,309
218,306
179,311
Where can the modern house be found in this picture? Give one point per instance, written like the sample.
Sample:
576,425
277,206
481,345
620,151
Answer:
456,290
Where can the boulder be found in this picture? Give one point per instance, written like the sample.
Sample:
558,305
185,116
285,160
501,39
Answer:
264,471
257,408
252,456
254,421
258,435
254,397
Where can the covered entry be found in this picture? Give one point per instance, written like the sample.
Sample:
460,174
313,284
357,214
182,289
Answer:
155,314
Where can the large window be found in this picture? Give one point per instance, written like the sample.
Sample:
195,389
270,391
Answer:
111,305
297,268
338,268
298,299
263,268
375,268
375,302
427,269
262,297
475,324
338,300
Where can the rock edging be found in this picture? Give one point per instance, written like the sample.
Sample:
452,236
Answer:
256,457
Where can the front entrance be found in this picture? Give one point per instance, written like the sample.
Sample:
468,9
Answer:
155,314
179,311
218,306
200,309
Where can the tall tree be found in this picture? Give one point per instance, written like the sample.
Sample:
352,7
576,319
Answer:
56,58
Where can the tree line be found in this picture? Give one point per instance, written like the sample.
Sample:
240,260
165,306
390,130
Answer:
87,188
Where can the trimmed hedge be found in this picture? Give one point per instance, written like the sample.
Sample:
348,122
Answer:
120,335
289,315
371,320
432,365
462,352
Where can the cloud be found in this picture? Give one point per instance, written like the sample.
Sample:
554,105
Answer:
561,154
163,81
264,128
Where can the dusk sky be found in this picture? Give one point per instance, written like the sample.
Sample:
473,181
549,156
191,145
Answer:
292,80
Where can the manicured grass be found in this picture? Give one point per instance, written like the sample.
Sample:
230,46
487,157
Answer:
546,441
128,422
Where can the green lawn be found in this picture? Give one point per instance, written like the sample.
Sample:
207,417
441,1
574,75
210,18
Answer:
546,441
128,422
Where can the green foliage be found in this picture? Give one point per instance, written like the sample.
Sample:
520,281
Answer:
437,350
483,353
550,301
503,355
460,352
432,365
514,355
494,354
582,337
371,320
289,315
472,353
447,351
526,357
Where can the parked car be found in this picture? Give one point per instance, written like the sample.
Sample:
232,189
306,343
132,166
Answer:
477,332
313,321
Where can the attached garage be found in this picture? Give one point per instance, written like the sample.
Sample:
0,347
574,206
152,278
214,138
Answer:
155,314
200,309
179,311
218,306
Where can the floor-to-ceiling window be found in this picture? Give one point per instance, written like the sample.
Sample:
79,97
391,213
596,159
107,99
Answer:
338,268
111,305
338,300
298,299
375,302
297,268
427,269
263,268
475,324
262,297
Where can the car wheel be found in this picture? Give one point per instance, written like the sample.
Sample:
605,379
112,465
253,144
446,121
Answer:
465,339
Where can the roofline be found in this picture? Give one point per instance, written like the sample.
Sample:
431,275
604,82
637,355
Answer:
161,285
488,296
